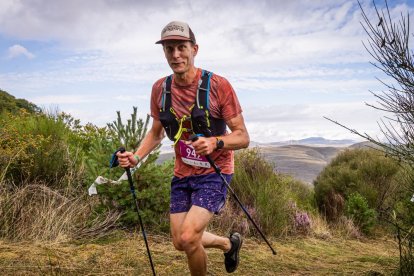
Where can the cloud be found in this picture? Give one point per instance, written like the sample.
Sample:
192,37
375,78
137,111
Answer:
131,99
17,51
63,99
298,52
286,122
256,32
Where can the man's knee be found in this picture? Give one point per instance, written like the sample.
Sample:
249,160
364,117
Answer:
189,241
177,243
186,241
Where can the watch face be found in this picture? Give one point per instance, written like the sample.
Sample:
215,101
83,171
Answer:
220,144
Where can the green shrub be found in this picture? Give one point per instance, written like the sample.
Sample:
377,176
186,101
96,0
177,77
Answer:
37,147
357,209
152,181
365,171
152,188
404,208
104,141
272,198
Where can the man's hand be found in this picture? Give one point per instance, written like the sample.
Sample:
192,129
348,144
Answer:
203,145
126,159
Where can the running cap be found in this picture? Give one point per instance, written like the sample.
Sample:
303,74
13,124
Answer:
177,30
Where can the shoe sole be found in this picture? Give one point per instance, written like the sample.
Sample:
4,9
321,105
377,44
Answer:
237,251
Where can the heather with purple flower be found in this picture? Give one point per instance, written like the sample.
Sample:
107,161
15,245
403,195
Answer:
302,222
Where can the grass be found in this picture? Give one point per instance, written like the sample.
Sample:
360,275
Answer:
125,254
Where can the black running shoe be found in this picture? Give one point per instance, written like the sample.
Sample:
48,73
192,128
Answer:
231,258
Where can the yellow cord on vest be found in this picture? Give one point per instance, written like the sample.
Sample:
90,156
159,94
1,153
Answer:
181,129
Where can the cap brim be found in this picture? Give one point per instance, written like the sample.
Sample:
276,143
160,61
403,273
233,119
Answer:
172,37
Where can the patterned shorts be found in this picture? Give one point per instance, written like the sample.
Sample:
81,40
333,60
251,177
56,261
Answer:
206,191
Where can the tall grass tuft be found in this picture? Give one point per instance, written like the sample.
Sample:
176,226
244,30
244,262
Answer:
35,212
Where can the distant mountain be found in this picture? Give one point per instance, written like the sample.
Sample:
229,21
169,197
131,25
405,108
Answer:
307,141
321,140
304,162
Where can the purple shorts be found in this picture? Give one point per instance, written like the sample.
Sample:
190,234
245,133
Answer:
207,191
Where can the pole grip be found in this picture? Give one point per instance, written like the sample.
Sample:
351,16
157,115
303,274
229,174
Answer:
193,138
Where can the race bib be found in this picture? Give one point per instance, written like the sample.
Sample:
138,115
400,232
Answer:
190,157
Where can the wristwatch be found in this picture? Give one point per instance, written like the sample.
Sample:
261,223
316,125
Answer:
219,143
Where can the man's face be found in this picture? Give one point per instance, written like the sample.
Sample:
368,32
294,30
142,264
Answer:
180,55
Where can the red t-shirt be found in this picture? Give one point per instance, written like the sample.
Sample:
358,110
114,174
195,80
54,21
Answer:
223,105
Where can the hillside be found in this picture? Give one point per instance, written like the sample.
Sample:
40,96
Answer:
11,104
300,161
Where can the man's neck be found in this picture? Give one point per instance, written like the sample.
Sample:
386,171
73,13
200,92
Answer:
186,78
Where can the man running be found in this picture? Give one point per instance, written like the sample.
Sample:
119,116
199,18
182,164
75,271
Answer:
194,101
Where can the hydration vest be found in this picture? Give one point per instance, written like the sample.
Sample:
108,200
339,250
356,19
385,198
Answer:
199,120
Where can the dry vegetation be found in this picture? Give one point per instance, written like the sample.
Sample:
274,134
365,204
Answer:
125,254
35,212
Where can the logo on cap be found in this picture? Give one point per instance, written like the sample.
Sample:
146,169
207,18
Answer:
170,28
177,30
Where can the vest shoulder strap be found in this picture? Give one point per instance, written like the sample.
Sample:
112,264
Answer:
203,91
166,94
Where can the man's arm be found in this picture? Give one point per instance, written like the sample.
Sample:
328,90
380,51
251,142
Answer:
237,139
148,144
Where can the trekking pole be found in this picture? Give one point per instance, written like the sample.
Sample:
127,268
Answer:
132,188
194,138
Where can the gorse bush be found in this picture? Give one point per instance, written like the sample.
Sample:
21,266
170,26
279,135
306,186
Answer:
356,208
37,147
366,171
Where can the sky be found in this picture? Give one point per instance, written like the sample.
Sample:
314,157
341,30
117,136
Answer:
291,63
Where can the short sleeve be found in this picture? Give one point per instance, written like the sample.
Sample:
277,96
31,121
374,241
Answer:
228,101
156,99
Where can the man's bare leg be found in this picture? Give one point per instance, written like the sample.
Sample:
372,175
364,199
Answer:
213,241
209,240
188,232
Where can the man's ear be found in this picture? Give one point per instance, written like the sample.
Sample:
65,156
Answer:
195,47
